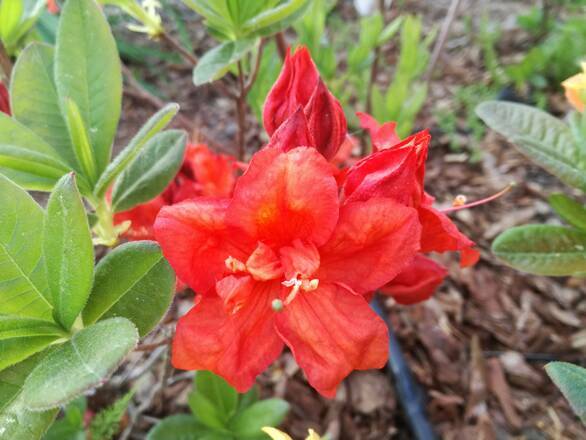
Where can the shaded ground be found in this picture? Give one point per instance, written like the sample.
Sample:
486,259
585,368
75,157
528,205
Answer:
478,347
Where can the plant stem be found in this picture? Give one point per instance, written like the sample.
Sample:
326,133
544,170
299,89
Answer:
173,43
281,44
104,228
5,62
241,112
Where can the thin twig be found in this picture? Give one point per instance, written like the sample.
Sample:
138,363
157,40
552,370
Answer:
241,113
172,42
281,44
5,62
255,69
441,41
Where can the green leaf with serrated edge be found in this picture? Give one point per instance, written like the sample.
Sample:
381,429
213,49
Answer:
16,422
541,137
81,363
543,249
34,101
133,281
69,252
154,125
23,282
568,209
249,422
178,427
571,380
87,71
218,392
151,171
20,338
80,140
215,63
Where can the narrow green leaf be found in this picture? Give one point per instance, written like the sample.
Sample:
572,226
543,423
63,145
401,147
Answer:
178,427
133,281
151,171
269,412
571,380
80,141
543,250
541,137
87,71
23,282
154,125
34,100
569,210
215,63
84,362
273,20
390,30
10,15
220,394
68,250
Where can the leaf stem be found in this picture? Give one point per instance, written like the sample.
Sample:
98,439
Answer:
104,229
241,112
5,62
176,45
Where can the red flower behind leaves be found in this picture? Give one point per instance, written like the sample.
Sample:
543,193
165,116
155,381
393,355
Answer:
283,262
321,120
52,7
4,99
203,173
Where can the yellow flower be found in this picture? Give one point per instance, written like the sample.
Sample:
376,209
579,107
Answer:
275,434
575,88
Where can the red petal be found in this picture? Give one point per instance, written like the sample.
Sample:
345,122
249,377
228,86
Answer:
381,136
197,241
332,332
235,292
284,196
215,173
469,257
439,234
237,347
4,99
142,218
264,264
292,89
300,259
372,243
293,133
417,282
326,121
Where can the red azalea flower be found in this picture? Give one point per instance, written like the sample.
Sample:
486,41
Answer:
52,6
322,120
4,99
203,173
283,262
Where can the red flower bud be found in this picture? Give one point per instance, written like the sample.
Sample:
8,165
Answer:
293,133
4,99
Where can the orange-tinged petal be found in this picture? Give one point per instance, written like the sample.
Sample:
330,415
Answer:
234,291
372,243
284,196
236,346
214,173
331,332
264,264
439,233
196,241
301,258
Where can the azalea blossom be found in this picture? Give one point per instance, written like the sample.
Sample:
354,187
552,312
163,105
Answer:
4,99
52,6
283,262
203,173
575,88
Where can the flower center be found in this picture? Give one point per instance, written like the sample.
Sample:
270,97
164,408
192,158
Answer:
297,284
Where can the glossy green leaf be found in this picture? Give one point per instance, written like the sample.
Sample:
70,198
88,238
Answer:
23,282
543,249
154,125
269,412
34,101
274,19
152,170
541,137
83,362
69,252
219,393
571,380
568,209
178,427
80,141
215,63
87,71
10,14
133,281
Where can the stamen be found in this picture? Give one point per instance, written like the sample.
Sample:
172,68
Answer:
457,207
296,285
235,265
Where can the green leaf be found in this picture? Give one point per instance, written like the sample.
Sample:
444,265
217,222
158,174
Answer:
106,424
275,19
569,210
218,392
69,252
178,427
206,412
87,71
10,15
543,249
16,421
83,362
133,281
541,137
269,412
215,63
80,141
34,100
248,398
23,282
390,30
151,171
571,380
153,126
